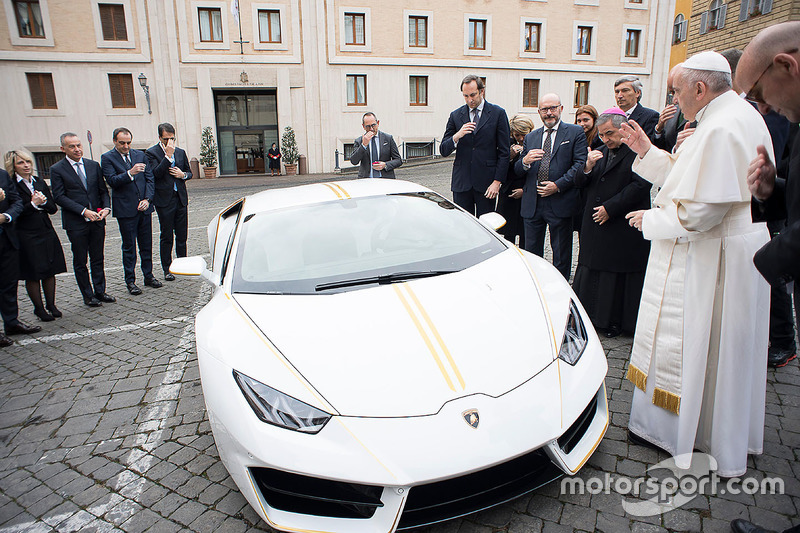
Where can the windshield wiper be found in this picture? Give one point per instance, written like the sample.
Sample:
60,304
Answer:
383,279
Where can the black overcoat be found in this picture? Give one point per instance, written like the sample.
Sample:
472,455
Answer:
614,246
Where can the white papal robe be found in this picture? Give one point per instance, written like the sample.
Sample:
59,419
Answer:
703,322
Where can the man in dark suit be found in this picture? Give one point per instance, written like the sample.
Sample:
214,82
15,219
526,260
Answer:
479,134
375,151
170,168
671,120
628,94
554,154
132,190
79,189
10,209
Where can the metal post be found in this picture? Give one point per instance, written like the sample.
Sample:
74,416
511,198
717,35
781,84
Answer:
337,160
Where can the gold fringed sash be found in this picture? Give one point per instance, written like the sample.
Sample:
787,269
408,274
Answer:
667,400
637,377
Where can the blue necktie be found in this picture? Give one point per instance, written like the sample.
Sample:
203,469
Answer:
376,156
174,183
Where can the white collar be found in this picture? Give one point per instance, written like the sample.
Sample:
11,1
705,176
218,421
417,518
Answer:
73,163
20,178
631,110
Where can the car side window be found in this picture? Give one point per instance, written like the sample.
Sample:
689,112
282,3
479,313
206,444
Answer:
229,243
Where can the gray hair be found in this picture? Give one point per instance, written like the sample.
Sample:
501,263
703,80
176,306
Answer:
716,82
65,135
616,119
634,80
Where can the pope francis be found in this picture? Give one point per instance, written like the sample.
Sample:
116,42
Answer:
699,357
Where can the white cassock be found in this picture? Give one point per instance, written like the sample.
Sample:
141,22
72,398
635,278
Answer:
701,336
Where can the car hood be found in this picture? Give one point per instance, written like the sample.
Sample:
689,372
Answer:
406,349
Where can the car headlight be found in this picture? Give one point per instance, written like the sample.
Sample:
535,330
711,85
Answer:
575,338
279,409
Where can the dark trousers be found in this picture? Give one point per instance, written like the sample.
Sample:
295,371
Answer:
88,242
9,276
474,202
560,236
781,325
133,230
173,219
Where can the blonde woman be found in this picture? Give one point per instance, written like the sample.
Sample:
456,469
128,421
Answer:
510,198
40,254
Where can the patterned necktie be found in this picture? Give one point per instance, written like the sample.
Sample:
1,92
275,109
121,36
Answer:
81,175
375,156
476,115
128,162
544,166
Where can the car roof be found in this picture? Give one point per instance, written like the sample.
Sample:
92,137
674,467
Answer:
326,192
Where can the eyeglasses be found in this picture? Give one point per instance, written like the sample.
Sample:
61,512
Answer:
370,126
754,94
551,109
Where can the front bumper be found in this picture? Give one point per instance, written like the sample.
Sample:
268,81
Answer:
380,475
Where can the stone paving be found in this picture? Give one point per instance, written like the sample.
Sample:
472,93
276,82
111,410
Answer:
103,426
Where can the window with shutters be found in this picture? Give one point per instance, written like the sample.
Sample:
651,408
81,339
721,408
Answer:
43,93
356,89
533,31
581,93
679,29
714,18
418,90
417,31
269,25
210,20
530,93
112,21
632,38
29,18
753,8
121,86
477,34
354,24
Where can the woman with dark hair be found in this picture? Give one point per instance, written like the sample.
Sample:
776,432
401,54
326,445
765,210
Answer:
509,200
274,159
40,254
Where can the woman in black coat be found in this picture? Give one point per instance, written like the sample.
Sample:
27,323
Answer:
613,255
274,156
509,201
40,254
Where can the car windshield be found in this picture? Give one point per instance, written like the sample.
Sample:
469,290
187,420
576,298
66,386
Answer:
356,243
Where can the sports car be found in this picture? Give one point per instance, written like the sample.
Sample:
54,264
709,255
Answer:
374,359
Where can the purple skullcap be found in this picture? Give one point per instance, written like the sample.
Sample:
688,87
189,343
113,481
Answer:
615,111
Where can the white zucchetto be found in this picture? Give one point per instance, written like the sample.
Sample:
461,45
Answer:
708,60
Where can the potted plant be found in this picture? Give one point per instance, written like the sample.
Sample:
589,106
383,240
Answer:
208,153
289,151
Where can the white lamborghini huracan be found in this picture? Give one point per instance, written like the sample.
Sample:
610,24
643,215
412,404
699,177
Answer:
375,359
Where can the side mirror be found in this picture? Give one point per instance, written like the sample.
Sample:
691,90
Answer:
193,266
492,220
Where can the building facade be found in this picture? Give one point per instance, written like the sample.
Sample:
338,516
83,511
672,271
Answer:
315,65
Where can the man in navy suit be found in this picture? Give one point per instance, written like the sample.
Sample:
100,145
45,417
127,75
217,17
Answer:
170,168
554,154
628,93
479,133
132,190
79,189
10,209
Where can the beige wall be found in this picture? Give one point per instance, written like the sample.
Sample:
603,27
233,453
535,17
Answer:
308,70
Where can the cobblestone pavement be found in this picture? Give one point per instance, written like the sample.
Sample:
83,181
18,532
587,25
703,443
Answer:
103,426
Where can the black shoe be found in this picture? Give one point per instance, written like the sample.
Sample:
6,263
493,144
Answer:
5,341
613,331
153,282
133,289
20,328
54,311
92,302
779,358
743,526
169,276
43,315
105,297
